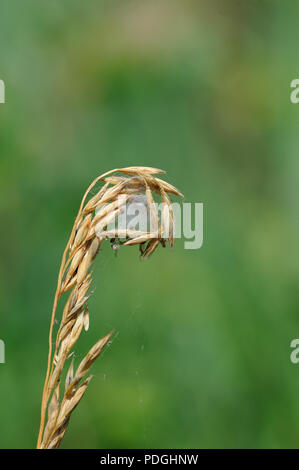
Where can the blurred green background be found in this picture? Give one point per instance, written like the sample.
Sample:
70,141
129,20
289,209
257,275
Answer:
202,89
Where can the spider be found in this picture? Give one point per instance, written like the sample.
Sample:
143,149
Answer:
115,244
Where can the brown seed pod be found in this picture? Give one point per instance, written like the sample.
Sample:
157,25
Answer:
89,231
